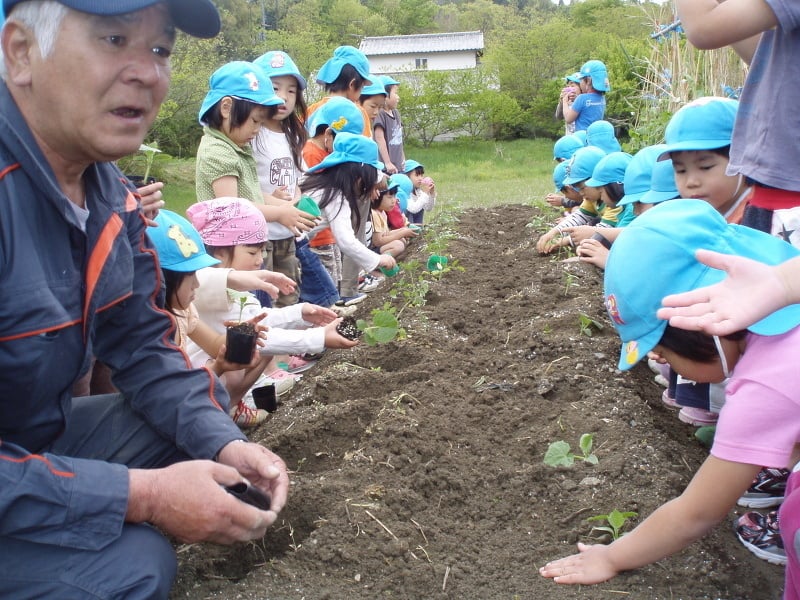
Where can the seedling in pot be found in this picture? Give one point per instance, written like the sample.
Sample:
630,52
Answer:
348,328
616,521
241,338
559,455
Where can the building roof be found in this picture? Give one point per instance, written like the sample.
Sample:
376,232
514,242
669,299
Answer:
422,43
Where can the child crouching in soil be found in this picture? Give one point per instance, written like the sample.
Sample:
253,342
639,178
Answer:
760,421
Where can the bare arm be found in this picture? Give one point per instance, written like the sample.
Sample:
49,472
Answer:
379,135
676,524
711,24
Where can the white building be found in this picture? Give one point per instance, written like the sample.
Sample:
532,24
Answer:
431,51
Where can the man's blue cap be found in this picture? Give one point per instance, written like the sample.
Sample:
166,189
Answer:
654,257
277,64
178,244
389,80
662,184
338,113
702,124
574,77
404,188
582,164
596,70
350,147
639,173
198,18
410,165
566,146
343,55
239,79
610,169
376,88
601,134
560,174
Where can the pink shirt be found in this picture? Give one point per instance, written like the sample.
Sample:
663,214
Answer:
760,422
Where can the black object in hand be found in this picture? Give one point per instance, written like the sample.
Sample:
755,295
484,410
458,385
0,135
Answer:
265,398
249,494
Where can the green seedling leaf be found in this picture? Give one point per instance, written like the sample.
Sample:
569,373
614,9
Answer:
616,521
586,443
558,455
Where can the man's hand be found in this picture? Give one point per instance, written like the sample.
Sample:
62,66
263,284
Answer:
188,501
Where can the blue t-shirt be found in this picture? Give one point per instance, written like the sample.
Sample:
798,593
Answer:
590,108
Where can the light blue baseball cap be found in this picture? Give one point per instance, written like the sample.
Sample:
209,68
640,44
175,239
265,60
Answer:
582,164
566,146
702,124
344,55
664,240
639,173
277,64
610,169
560,174
662,184
601,134
338,113
596,70
574,77
410,165
404,188
376,88
389,80
239,79
178,244
350,147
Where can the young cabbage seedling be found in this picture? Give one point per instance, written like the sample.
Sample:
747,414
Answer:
558,453
616,521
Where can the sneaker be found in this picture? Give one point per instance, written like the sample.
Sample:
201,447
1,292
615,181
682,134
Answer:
669,400
282,380
761,534
369,283
246,417
297,364
661,380
697,416
350,300
658,368
343,311
766,490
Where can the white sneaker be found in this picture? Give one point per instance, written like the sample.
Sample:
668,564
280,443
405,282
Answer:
343,311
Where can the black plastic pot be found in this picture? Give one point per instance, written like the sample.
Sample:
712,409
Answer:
240,343
265,398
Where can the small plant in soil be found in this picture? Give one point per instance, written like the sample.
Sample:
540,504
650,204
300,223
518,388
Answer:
240,340
383,326
569,281
348,328
616,521
559,454
587,324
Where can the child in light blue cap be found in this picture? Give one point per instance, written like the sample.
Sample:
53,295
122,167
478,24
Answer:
590,105
601,134
423,198
566,146
592,209
760,421
568,94
565,196
344,74
343,185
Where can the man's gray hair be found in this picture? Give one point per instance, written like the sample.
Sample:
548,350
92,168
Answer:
44,18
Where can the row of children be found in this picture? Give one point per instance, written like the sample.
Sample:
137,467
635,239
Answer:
297,195
722,174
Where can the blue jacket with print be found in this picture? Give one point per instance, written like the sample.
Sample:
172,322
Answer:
67,292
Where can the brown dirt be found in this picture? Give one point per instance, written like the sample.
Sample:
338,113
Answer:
418,466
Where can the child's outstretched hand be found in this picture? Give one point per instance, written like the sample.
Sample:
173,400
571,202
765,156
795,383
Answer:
334,339
554,200
271,282
590,565
592,251
317,315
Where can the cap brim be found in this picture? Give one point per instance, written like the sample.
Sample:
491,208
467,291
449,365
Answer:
692,145
653,197
592,182
630,198
635,350
201,261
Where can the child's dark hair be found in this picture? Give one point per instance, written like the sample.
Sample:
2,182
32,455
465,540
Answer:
615,191
694,345
347,75
240,112
420,170
353,180
724,151
293,128
172,281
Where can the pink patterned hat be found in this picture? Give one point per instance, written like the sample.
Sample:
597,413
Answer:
228,222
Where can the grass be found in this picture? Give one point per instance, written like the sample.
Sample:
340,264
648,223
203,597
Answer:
467,173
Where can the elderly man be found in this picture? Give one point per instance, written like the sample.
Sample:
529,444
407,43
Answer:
85,482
